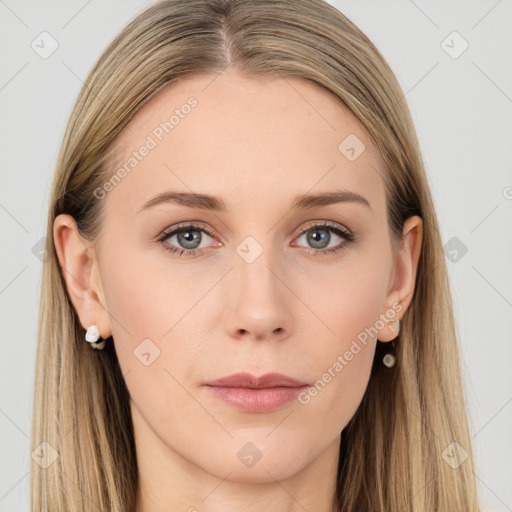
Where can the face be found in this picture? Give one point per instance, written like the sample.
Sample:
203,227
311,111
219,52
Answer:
264,284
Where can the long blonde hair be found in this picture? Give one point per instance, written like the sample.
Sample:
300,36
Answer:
392,450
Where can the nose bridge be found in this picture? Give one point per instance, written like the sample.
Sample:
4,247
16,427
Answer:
255,267
258,296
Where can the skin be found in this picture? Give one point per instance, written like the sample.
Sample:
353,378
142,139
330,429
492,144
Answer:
256,143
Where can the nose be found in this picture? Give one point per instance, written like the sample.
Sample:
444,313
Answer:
258,307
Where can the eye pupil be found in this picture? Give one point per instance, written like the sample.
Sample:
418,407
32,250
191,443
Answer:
314,238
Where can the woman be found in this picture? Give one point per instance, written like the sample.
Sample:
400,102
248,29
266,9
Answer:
245,303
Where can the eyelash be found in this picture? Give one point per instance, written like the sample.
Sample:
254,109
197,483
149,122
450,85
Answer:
190,253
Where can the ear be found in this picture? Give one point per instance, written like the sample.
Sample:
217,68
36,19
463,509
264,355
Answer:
403,278
80,270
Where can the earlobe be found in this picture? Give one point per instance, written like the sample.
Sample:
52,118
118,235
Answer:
77,260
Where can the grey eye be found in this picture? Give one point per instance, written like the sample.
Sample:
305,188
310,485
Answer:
188,238
319,237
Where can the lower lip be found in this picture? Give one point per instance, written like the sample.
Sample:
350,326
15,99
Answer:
256,400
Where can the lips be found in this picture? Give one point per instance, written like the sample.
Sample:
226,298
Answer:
253,394
246,380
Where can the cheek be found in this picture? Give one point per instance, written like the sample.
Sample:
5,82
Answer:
349,306
346,297
157,310
150,326
148,296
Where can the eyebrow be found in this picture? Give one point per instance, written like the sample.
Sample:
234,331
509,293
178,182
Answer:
215,203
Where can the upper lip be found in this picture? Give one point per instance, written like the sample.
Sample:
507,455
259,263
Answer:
246,380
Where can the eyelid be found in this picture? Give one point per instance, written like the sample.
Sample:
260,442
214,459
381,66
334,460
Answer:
325,223
171,230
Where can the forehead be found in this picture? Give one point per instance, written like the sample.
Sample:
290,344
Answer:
252,141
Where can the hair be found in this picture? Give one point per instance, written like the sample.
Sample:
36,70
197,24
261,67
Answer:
391,449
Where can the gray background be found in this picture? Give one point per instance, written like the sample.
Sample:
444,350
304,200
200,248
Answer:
462,108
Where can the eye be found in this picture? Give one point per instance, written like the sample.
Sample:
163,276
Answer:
185,240
318,237
187,237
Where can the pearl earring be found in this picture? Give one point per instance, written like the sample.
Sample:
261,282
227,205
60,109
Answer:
389,359
397,326
92,336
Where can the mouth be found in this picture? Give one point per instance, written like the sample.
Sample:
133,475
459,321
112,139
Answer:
256,394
